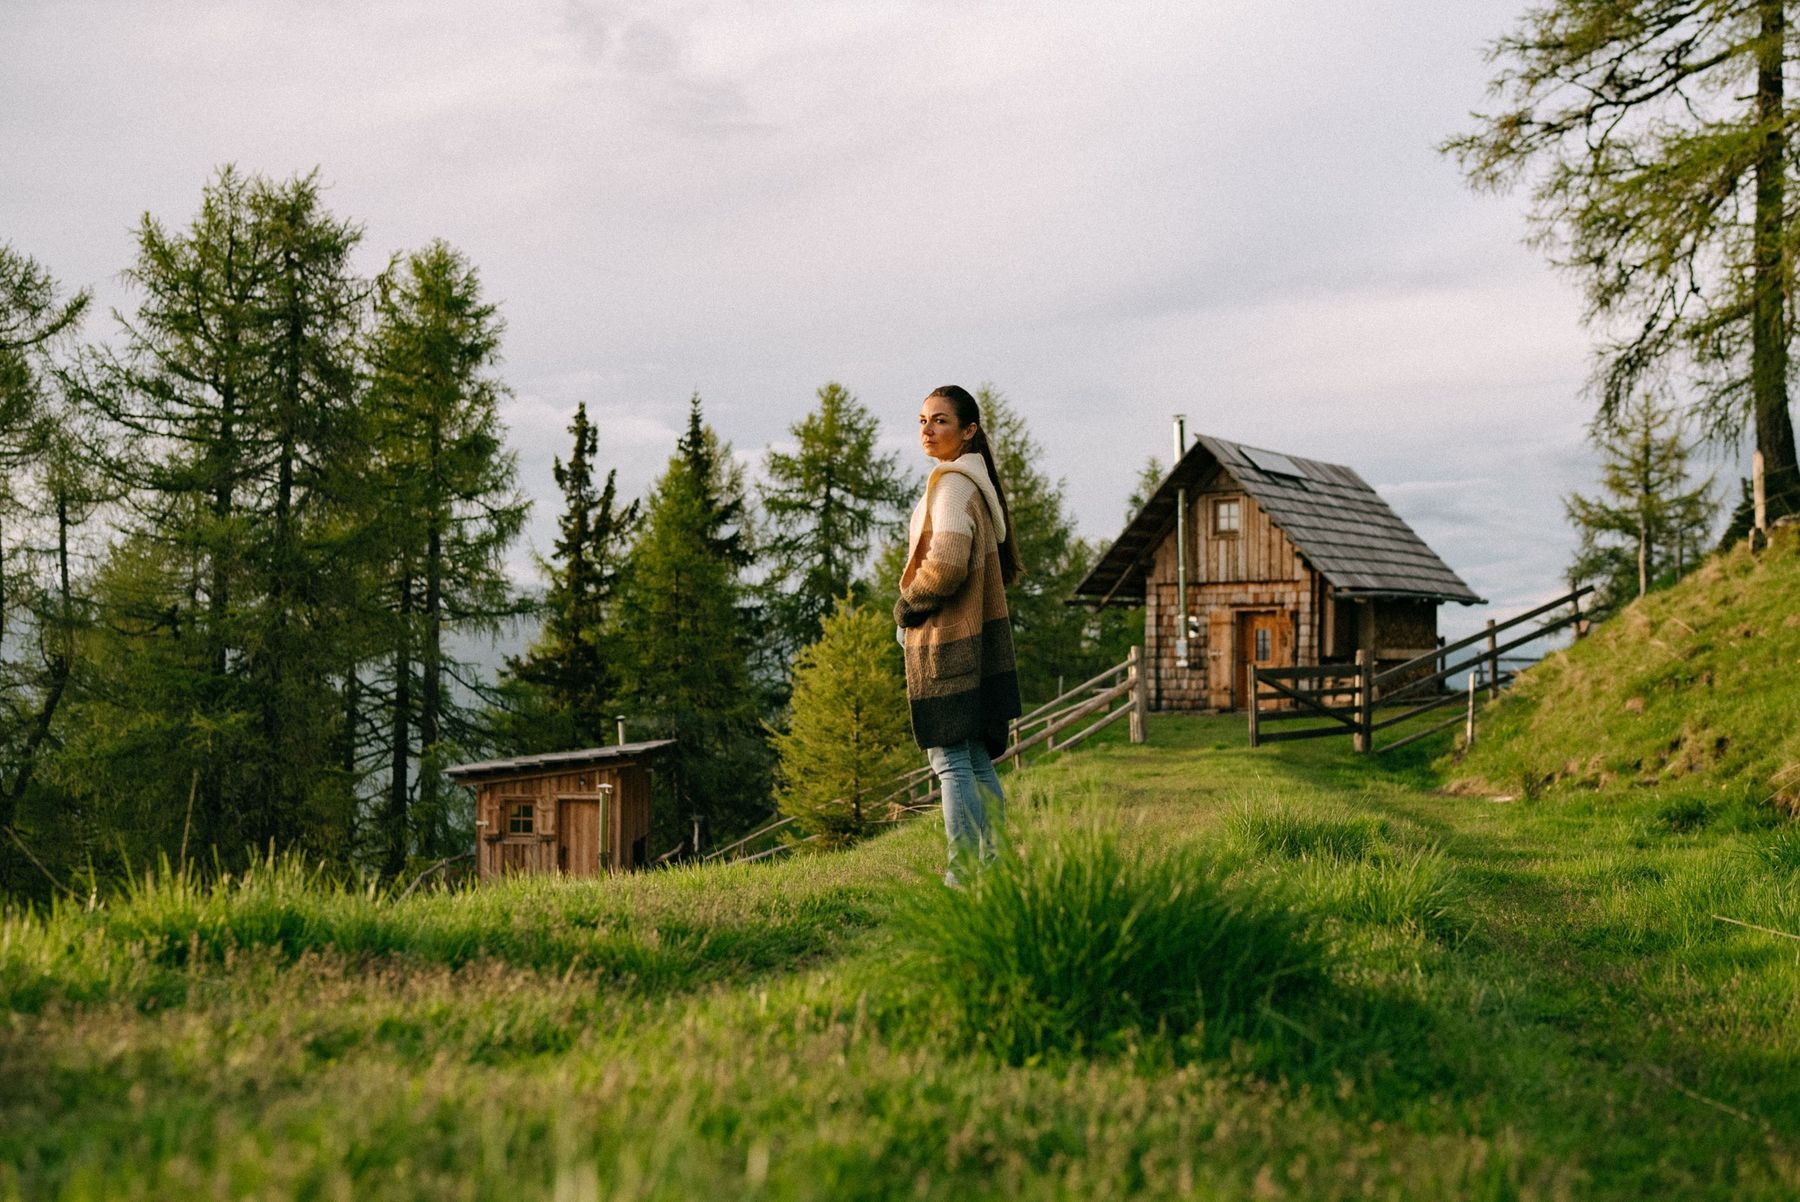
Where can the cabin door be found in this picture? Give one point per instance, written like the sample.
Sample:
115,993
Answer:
1265,639
578,835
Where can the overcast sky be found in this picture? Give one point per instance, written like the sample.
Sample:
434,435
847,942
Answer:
1111,212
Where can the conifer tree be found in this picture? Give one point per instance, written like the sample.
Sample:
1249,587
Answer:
576,661
848,730
45,494
683,612
230,408
1666,158
1049,635
1150,478
1649,523
824,504
450,510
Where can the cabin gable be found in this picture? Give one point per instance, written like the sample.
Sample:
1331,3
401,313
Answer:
571,813
1288,561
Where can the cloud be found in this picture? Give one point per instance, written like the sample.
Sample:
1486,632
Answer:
1232,209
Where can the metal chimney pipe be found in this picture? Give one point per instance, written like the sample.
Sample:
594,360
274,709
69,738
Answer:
621,721
1181,549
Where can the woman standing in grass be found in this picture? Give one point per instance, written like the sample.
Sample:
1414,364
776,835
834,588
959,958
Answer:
960,677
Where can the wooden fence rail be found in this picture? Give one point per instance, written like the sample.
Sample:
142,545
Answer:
1122,691
1349,694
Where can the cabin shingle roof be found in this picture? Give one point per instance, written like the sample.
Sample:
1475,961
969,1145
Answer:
552,760
1337,522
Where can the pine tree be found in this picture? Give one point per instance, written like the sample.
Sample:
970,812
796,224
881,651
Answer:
683,612
451,509
848,730
1649,524
1050,636
1668,154
825,503
1150,478
229,411
45,494
576,661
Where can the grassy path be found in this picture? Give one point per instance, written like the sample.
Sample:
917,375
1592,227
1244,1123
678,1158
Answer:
1525,1000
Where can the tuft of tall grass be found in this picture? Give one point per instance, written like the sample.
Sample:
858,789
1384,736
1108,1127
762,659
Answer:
1282,831
1073,944
1779,850
1418,891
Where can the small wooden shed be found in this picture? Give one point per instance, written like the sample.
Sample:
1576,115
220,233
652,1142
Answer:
1267,560
579,813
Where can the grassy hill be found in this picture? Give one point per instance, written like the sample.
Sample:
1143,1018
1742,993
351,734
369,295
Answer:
1208,972
1693,692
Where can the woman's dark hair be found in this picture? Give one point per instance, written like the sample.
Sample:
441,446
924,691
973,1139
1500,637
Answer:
968,413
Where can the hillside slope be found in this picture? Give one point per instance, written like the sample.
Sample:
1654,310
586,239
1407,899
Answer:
1694,690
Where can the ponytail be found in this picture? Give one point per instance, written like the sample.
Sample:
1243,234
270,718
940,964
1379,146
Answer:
968,413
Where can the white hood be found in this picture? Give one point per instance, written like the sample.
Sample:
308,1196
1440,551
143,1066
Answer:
974,467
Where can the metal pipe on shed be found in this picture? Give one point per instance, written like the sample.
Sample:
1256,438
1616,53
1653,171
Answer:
1181,549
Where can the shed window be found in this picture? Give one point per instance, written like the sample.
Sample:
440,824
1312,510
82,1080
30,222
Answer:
518,818
1227,516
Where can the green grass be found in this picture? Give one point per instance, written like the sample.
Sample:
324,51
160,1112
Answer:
1205,972
1690,690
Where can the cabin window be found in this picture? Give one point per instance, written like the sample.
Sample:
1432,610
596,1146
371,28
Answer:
1262,645
519,818
1228,516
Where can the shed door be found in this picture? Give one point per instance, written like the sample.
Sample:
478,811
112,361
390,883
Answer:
578,836
1265,640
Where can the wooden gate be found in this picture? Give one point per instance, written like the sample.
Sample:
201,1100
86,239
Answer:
1348,694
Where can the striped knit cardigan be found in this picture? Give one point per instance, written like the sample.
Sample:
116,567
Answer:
960,676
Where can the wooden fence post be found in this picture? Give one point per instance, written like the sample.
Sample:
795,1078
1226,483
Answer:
1134,672
1493,662
1365,700
1254,690
1759,504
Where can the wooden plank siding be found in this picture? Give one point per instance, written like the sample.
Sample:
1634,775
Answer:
623,792
1257,569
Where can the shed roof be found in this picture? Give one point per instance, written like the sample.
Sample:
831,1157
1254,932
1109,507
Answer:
552,760
1337,522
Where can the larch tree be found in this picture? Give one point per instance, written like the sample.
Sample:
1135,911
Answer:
1650,521
450,509
1664,154
847,731
684,613
227,408
577,659
823,505
44,496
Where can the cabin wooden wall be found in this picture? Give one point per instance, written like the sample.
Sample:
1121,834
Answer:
1258,569
624,792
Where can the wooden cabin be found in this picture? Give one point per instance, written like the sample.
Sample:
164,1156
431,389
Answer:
1288,561
579,813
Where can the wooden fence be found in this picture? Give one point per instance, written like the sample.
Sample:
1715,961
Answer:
1349,696
1059,724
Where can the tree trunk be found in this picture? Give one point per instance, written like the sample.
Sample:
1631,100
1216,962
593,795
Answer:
399,749
1771,282
431,687
61,661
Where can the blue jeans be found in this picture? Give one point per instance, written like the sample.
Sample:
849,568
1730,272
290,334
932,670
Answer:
974,807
